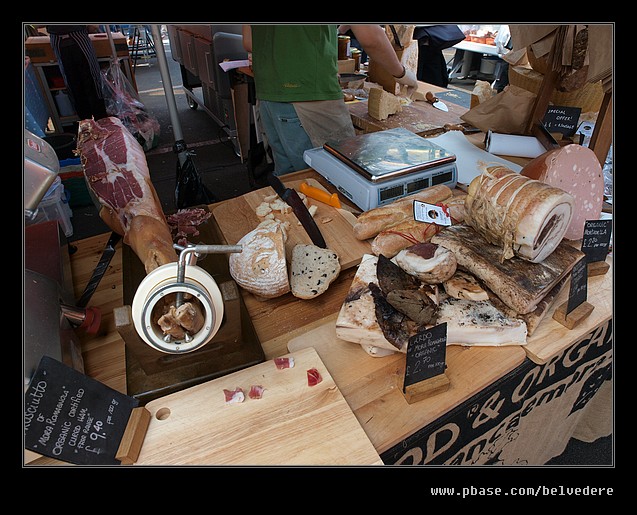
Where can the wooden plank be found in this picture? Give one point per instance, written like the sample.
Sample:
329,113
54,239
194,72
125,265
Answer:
236,217
372,386
292,424
418,117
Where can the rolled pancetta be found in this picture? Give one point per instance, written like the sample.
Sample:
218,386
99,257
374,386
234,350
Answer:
526,217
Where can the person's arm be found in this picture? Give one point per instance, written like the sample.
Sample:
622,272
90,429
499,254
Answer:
374,40
246,30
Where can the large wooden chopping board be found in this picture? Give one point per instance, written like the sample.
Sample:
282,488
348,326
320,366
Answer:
236,217
418,117
292,424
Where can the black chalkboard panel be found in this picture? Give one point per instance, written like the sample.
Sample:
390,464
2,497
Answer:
426,354
72,417
596,239
578,290
562,119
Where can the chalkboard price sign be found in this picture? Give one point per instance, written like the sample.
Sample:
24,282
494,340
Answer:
596,239
72,417
578,291
562,119
426,354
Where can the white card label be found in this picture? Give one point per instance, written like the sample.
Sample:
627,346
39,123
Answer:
431,213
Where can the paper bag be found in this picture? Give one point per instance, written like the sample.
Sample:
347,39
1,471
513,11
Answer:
507,112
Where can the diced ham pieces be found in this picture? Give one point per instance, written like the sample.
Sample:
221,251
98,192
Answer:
313,377
256,391
234,396
282,363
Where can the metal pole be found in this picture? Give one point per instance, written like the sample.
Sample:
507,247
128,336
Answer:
168,85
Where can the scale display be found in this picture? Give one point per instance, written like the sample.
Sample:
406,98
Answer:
388,165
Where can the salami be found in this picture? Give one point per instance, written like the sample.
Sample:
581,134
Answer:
576,170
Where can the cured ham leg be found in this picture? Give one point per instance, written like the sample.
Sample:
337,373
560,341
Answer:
116,171
527,218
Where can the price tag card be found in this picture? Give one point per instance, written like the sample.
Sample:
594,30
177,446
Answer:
596,239
72,417
562,119
426,354
578,291
431,213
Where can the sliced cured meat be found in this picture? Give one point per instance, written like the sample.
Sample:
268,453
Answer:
430,263
235,396
416,304
524,217
313,377
576,170
256,391
396,326
185,222
117,174
283,363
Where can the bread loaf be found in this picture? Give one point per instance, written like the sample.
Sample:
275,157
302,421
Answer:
261,267
371,222
391,241
312,271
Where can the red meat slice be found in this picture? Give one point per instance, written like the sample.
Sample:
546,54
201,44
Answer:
282,363
234,396
256,391
313,377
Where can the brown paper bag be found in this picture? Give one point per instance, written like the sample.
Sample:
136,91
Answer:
507,112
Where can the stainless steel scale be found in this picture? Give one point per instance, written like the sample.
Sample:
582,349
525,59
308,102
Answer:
380,167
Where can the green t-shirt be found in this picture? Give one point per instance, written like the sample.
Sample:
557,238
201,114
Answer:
294,63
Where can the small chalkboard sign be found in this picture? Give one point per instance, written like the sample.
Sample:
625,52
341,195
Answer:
578,291
426,354
562,119
596,239
72,417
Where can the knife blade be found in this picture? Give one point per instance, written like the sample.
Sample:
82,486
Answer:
100,269
291,197
435,101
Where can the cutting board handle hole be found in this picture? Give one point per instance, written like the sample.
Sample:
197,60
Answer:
162,414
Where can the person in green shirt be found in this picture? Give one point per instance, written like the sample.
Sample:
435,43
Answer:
300,101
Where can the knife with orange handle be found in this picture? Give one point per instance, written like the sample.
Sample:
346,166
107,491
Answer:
320,195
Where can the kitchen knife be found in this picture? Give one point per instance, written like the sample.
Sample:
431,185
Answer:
292,199
100,269
435,101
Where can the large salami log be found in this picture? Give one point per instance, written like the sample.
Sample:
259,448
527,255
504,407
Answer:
576,170
117,174
519,283
524,217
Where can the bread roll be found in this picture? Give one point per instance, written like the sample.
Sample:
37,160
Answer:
372,222
391,241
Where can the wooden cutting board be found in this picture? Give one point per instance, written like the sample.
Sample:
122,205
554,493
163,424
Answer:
292,424
418,117
236,217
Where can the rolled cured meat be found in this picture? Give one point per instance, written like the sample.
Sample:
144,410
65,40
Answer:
526,217
576,170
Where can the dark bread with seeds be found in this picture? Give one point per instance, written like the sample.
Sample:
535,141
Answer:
312,270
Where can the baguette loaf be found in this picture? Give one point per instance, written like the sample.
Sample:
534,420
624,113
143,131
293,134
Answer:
372,222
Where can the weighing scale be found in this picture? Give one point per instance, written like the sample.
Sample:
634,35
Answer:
380,167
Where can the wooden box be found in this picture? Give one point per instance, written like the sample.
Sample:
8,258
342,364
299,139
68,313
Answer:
38,48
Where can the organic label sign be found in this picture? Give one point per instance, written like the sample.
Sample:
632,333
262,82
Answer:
72,417
578,291
596,239
562,119
426,354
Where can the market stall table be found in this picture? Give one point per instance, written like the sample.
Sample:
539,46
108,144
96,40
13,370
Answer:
493,393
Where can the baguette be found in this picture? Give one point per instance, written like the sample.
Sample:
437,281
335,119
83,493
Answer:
372,222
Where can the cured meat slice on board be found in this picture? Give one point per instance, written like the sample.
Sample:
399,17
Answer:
520,284
576,170
526,218
117,174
